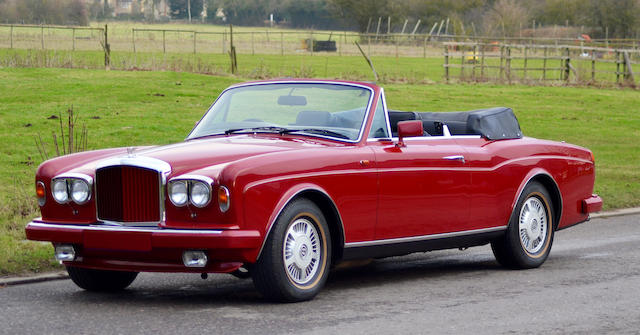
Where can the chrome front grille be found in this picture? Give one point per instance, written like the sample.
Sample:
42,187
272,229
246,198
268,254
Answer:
128,194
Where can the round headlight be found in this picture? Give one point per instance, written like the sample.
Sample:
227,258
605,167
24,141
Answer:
79,191
200,194
178,193
59,191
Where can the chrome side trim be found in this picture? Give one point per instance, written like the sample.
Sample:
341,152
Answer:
424,138
266,235
204,179
73,175
423,237
124,229
381,100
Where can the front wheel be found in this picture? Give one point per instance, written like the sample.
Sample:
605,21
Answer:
529,236
101,280
296,257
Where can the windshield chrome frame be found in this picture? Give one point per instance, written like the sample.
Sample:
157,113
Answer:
362,127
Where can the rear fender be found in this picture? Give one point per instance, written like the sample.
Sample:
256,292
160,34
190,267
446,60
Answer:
545,178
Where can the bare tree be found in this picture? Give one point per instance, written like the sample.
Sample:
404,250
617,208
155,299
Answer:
505,18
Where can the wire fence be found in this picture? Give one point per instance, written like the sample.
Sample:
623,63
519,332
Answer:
470,58
539,63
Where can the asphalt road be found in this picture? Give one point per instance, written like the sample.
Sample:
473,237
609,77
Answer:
589,284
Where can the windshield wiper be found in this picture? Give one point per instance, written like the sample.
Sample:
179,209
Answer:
316,131
282,131
270,129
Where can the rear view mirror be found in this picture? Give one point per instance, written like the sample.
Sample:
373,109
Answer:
292,100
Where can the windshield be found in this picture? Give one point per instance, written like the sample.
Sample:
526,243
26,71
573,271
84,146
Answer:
314,109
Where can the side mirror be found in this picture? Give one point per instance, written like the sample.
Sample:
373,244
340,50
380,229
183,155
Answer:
410,128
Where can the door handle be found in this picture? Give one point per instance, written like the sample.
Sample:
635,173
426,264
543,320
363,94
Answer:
455,158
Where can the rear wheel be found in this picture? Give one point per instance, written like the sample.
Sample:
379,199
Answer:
101,280
296,257
529,236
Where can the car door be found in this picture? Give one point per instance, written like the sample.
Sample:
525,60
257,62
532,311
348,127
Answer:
423,187
495,183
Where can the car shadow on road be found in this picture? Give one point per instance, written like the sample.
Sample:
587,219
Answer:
225,290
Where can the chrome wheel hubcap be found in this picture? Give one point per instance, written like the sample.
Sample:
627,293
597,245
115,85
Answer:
533,225
301,251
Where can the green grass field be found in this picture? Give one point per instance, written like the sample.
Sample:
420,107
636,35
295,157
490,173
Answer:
390,69
125,108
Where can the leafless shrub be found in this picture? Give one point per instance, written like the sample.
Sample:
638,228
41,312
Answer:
72,141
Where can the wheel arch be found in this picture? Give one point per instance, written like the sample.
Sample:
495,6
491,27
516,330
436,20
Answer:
543,177
324,202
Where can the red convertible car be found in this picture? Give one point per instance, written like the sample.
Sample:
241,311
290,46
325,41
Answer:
282,179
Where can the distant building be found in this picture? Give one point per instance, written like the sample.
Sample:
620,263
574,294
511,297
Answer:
131,7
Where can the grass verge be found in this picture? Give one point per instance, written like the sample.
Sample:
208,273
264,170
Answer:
144,108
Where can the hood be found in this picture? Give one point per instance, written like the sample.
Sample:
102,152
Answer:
200,153
188,156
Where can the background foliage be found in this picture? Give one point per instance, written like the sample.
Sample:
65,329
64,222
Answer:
615,18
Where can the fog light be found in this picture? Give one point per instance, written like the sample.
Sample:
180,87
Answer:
65,253
194,259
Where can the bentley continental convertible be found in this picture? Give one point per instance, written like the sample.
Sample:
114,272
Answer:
282,179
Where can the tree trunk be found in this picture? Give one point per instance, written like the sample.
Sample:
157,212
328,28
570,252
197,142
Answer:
189,9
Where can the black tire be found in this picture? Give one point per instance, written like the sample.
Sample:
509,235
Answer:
510,250
101,280
279,282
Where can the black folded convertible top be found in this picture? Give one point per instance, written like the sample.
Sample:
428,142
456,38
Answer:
498,123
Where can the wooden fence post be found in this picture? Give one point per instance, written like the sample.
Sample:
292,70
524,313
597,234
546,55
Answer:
194,42
508,61
617,67
628,75
593,66
501,62
424,48
446,63
232,51
544,64
253,47
73,38
42,36
164,43
475,62
461,61
524,74
567,65
282,44
482,62
107,49
133,39
311,41
11,36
